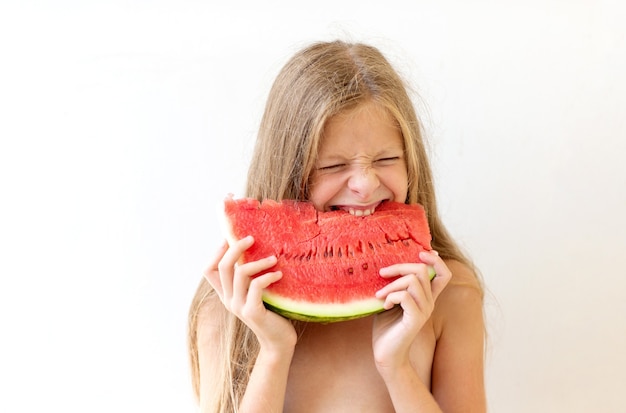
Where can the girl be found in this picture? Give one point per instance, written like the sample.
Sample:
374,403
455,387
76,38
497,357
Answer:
339,130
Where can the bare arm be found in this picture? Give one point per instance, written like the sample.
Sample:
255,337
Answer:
458,367
408,392
268,383
239,294
396,330
457,371
265,391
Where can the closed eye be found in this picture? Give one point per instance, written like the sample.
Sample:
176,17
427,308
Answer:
332,167
387,161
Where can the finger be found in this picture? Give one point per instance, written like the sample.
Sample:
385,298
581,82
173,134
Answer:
243,274
405,286
443,273
399,270
260,283
403,269
211,273
394,298
227,264
403,299
420,290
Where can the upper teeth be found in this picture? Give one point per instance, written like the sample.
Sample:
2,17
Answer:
360,212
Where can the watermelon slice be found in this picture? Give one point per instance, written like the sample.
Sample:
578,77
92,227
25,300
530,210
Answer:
329,260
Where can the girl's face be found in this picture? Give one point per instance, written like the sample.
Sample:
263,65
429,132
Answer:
360,162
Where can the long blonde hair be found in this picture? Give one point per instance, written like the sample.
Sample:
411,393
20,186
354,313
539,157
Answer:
317,83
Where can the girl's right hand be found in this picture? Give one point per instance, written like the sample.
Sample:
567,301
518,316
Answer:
241,294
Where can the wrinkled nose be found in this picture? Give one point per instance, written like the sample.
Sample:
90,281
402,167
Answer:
363,182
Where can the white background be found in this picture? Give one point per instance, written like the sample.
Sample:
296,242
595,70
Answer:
123,123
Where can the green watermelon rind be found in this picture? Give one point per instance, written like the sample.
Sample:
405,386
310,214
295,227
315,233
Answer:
321,312
325,312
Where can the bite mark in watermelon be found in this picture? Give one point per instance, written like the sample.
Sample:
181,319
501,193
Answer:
330,260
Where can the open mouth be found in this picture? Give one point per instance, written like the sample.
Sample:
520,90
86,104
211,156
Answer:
357,211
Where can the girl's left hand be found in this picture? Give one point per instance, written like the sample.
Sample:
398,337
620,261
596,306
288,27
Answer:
414,293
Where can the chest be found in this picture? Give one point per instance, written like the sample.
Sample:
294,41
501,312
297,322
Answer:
333,369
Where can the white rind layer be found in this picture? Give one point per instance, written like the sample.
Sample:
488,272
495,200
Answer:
324,311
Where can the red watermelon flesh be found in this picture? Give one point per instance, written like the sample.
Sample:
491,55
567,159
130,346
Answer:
330,260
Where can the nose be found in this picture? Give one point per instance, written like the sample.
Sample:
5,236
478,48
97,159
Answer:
363,182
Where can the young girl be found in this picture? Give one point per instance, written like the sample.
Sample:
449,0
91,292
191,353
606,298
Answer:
340,130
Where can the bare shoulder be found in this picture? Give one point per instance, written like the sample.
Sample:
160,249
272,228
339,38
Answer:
462,299
462,275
